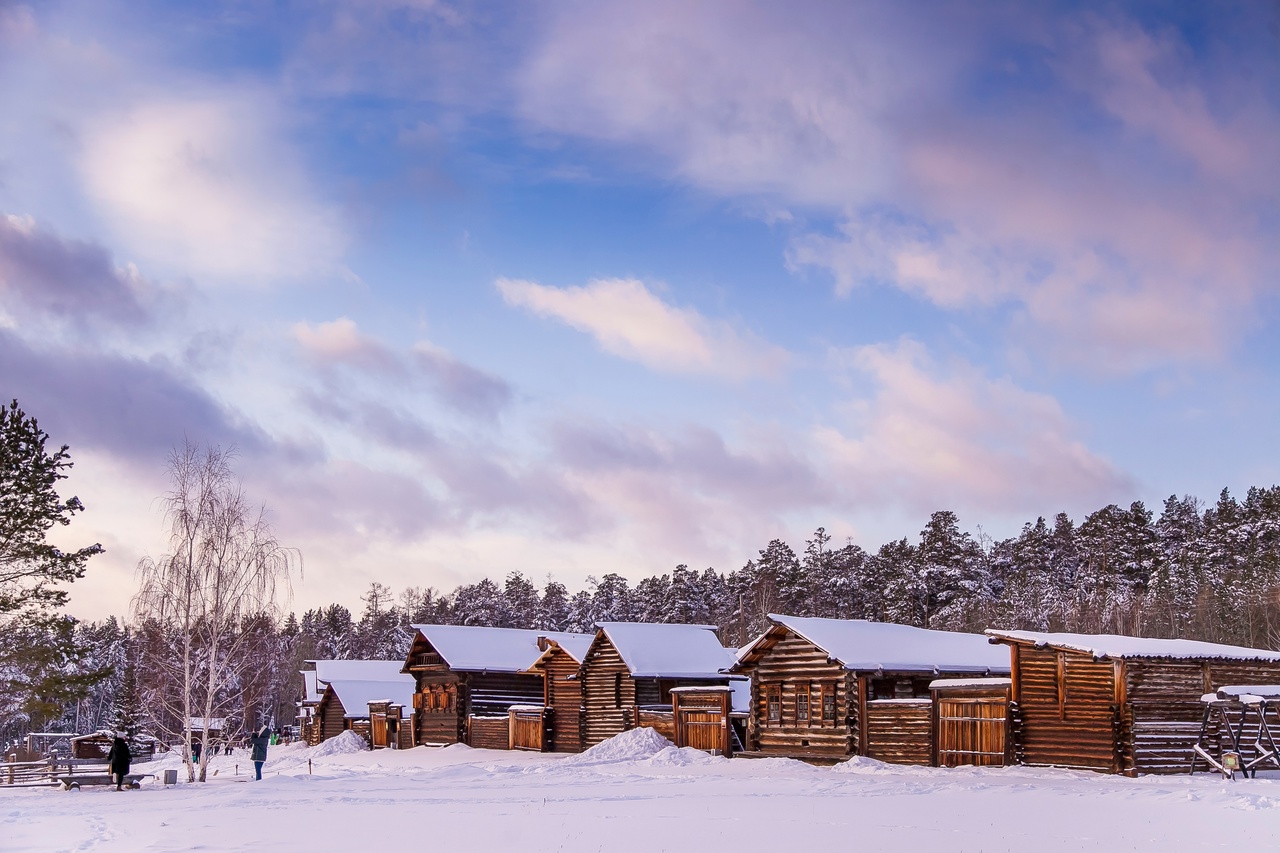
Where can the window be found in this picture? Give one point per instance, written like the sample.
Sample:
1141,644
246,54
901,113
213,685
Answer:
802,703
617,690
773,703
828,704
883,688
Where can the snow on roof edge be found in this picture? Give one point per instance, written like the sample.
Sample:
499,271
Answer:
1125,647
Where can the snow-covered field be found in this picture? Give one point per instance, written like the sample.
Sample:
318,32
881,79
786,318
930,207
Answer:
638,793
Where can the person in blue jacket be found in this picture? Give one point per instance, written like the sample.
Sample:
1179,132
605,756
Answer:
259,742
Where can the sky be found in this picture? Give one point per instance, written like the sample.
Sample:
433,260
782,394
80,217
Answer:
584,287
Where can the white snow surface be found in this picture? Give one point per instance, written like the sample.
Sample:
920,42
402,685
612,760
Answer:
668,650
472,648
311,689
638,801
943,683
1118,646
356,695
343,744
1267,691
364,670
861,645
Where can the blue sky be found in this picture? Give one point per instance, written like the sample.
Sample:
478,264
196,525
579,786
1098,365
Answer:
574,288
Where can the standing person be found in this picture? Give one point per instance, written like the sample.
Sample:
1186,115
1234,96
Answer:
196,746
260,741
119,758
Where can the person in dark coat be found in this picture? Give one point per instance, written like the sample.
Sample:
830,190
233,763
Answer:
259,742
119,758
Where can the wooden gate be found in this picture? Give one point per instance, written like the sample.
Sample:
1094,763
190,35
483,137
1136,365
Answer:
702,718
972,731
528,727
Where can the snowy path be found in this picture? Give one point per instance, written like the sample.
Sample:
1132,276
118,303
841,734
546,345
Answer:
458,798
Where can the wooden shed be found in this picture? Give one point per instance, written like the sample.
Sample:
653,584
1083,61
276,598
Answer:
560,666
467,679
827,689
345,697
1119,704
631,667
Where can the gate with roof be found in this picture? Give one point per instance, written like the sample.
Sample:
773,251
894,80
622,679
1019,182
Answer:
702,718
971,722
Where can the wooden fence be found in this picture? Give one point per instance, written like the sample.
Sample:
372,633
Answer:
489,732
899,731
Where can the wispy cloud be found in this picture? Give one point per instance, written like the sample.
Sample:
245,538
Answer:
629,321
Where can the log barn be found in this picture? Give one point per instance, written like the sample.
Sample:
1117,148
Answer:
827,689
560,666
467,679
346,688
630,669
1118,704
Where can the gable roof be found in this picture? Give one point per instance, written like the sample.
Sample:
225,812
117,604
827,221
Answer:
668,650
857,644
471,648
1119,646
362,670
356,694
311,689
575,647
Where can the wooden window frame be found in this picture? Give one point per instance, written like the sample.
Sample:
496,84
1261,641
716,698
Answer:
827,698
804,690
773,704
617,690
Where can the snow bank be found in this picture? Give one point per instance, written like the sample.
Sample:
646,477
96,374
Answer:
344,744
633,745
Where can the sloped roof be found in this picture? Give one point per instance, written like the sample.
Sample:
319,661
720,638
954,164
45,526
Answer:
1118,646
470,648
669,651
355,694
363,670
576,648
861,645
311,687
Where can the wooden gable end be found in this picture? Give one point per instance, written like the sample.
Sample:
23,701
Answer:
802,702
608,692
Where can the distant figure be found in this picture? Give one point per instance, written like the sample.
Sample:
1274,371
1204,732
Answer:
260,741
196,746
227,749
119,758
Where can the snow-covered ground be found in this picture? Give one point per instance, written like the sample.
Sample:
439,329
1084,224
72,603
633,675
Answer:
638,793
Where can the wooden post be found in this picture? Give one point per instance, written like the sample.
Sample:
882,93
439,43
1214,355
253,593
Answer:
726,707
862,714
681,738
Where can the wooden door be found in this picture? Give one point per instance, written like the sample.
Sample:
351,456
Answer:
972,731
704,729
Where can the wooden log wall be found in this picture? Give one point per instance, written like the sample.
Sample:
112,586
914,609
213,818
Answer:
791,666
1162,717
489,732
332,721
493,693
663,722
608,694
438,708
900,731
562,694
1068,711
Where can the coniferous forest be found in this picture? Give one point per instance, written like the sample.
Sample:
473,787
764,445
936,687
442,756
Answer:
1209,572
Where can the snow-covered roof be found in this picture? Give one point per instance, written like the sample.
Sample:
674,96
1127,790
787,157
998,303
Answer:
861,645
471,648
669,651
944,683
363,670
356,694
576,648
1117,646
310,685
215,723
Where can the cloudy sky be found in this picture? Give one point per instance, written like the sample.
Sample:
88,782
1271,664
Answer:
574,288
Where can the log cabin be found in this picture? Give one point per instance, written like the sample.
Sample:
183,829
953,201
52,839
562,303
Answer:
827,689
560,666
630,669
1118,704
311,693
346,687
468,678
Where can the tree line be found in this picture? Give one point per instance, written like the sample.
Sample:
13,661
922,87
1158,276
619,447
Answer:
1194,571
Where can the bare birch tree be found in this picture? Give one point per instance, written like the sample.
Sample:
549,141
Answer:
195,605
